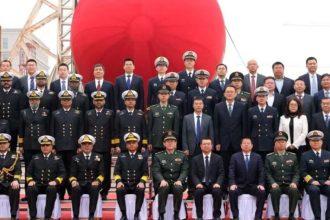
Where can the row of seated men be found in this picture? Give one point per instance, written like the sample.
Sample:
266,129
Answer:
170,169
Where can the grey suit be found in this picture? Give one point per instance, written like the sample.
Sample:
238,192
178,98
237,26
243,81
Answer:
189,131
247,85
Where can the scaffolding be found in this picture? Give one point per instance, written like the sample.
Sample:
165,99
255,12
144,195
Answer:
62,11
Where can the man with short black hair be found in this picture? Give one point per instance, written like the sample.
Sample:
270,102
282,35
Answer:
28,82
62,83
284,85
129,81
5,66
312,79
219,84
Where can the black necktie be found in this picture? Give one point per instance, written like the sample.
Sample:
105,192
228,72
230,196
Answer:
161,79
2,156
202,91
45,157
207,163
317,154
262,110
132,156
87,157
189,74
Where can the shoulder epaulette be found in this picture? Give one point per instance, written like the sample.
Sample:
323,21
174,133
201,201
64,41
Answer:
56,112
270,153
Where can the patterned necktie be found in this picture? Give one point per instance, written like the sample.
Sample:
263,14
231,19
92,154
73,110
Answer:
222,84
98,87
253,85
63,85
327,121
31,83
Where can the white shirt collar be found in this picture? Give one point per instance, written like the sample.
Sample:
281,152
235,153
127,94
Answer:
262,107
87,155
5,153
209,155
195,115
46,155
320,151
130,153
232,104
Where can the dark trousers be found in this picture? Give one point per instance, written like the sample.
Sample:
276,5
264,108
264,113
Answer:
13,142
252,190
163,192
197,151
226,155
34,191
28,154
217,198
76,193
314,197
106,184
276,193
66,157
130,189
13,197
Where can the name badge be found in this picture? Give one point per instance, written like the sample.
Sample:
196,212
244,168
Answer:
326,161
209,97
140,157
269,116
178,160
254,116
163,161
155,84
310,161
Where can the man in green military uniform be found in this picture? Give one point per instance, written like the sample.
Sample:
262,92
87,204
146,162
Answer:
161,118
282,173
170,171
236,79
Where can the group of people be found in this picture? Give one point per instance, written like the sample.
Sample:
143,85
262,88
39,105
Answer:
228,112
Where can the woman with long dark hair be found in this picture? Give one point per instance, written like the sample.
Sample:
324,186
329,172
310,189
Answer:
295,124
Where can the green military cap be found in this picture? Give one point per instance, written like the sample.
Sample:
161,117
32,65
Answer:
46,139
41,75
315,135
98,95
129,94
202,74
4,138
65,94
236,76
169,135
261,91
163,89
280,135
161,61
34,94
189,55
131,136
6,76
86,138
171,76
74,77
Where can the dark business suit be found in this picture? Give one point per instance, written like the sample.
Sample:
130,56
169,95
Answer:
247,84
186,83
189,141
215,84
55,86
153,85
214,174
24,84
262,127
279,103
317,100
305,78
287,87
209,97
229,129
106,87
247,179
121,86
318,123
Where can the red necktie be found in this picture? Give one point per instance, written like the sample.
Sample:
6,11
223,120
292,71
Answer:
253,85
98,88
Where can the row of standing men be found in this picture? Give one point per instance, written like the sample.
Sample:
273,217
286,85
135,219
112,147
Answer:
248,174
